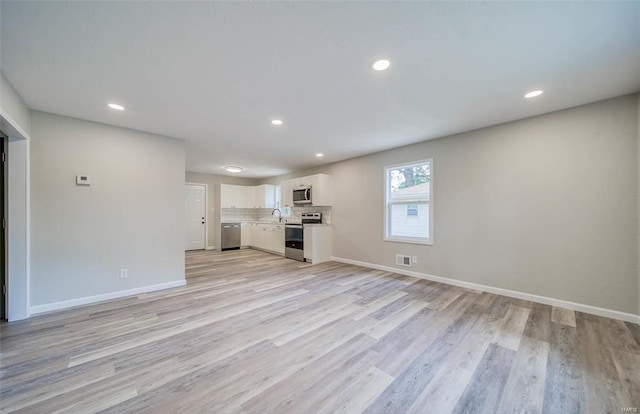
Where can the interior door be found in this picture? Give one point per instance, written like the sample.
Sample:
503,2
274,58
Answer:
195,208
3,273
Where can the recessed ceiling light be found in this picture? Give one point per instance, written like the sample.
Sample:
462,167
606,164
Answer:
533,94
276,122
319,154
381,64
116,107
233,169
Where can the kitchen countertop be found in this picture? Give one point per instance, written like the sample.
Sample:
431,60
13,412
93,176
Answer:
289,222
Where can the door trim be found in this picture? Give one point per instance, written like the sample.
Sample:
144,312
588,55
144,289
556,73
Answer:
18,216
206,212
4,283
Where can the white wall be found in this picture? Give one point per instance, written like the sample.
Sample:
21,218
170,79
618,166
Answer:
546,205
638,144
15,121
12,108
213,225
132,216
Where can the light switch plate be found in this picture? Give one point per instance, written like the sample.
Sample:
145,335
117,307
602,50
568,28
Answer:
83,180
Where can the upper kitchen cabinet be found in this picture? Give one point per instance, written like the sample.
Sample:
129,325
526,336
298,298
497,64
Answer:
278,196
321,189
251,197
233,196
265,196
286,189
243,196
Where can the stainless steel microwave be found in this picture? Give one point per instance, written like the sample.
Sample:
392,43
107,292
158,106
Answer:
302,195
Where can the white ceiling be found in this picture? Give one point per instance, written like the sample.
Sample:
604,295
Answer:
215,74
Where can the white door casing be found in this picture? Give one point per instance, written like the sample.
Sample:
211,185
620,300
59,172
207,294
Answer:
195,216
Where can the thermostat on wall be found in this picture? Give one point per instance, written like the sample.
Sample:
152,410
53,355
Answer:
83,180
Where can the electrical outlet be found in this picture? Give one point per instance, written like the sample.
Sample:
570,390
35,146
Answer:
414,259
124,273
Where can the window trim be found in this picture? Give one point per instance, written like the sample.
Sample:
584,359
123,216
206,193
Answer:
387,191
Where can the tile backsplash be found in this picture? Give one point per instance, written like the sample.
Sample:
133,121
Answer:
264,214
240,214
297,211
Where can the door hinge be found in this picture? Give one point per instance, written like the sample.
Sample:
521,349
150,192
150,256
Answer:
4,223
4,156
4,289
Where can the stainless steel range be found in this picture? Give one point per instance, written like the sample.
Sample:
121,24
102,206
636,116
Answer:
294,236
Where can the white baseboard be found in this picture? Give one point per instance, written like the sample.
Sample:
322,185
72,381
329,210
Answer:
210,248
48,307
594,310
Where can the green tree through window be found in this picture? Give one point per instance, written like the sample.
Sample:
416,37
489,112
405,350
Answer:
410,176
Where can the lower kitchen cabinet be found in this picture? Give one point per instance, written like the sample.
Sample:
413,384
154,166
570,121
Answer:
277,239
246,234
268,237
317,243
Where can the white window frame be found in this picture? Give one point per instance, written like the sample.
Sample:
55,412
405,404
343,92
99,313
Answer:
387,203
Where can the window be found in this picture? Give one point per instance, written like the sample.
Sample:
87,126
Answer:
408,202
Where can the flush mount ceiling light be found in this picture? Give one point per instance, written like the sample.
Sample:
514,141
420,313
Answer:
116,107
319,154
533,94
276,122
233,169
381,64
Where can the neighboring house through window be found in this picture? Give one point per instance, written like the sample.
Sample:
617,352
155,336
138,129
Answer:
412,209
409,202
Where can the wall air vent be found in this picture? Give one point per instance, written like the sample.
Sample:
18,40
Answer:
402,260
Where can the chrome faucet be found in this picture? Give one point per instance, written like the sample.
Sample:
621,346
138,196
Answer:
279,214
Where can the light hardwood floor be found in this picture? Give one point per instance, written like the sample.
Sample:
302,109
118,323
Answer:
257,333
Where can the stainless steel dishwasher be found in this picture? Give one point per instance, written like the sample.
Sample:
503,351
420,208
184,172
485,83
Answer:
230,236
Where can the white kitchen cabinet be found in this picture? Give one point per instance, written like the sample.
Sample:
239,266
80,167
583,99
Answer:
251,197
269,237
260,236
234,196
321,189
266,236
265,196
301,182
277,239
241,196
278,196
246,234
317,243
286,188
226,196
